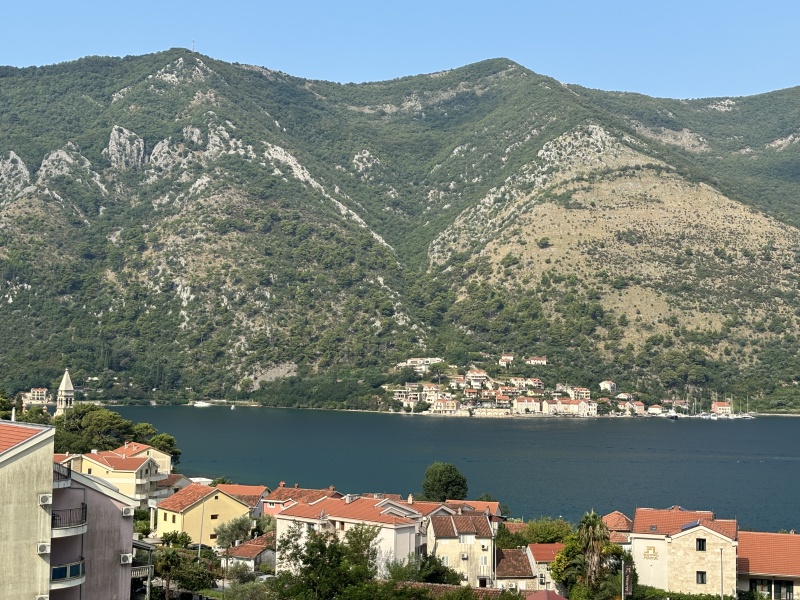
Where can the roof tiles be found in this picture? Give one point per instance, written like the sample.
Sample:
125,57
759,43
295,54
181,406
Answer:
545,553
513,563
187,497
762,553
13,433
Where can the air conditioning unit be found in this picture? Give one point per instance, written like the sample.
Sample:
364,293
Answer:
484,547
40,597
511,585
42,548
128,511
464,556
45,499
125,559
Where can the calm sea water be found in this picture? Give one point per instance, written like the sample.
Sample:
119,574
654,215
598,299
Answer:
749,470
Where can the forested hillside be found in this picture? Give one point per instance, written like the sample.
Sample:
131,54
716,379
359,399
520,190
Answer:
177,226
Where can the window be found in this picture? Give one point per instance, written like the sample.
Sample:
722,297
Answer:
165,516
701,577
173,518
213,517
89,471
700,545
213,536
445,561
216,497
784,590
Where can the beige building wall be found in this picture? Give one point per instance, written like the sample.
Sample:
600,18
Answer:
473,558
718,562
139,485
200,520
24,474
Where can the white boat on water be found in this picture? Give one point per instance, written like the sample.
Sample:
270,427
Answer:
201,404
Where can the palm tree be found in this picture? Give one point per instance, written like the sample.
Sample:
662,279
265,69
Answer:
593,538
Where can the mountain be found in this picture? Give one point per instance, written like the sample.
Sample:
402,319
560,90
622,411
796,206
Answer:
174,223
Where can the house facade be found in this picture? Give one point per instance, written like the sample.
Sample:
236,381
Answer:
465,543
197,510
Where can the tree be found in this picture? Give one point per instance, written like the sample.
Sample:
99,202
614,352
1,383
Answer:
443,481
437,370
547,530
176,540
193,576
167,563
593,537
231,531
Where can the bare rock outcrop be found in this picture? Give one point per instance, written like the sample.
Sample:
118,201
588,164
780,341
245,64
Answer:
14,176
125,149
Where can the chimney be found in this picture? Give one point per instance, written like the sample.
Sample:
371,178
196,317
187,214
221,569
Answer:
281,484
296,485
126,444
331,488
411,498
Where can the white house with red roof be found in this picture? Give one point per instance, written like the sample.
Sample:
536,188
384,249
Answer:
769,563
465,542
721,408
283,496
396,523
253,553
536,360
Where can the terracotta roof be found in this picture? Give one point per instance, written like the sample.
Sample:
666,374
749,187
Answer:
544,595
298,494
358,509
617,521
618,537
727,527
14,433
515,526
762,553
249,494
252,548
117,462
450,526
60,458
478,505
187,497
384,495
513,563
171,480
132,448
545,553
666,521
427,508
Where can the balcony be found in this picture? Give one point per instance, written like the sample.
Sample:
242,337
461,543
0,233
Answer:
69,575
142,572
62,476
69,521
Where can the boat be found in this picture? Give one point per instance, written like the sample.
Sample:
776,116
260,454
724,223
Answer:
201,404
672,415
233,407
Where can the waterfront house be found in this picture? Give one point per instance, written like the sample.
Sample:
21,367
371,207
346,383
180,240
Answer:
526,405
769,563
282,496
686,551
465,543
252,495
134,476
396,523
514,570
163,459
655,410
541,556
721,408
197,510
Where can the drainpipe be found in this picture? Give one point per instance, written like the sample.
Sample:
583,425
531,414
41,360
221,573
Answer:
721,579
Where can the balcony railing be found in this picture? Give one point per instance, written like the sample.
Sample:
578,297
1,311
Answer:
142,571
69,571
69,517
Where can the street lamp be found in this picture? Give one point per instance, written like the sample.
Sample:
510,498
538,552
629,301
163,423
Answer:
721,579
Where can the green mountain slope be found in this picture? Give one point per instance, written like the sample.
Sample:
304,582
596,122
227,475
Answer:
177,222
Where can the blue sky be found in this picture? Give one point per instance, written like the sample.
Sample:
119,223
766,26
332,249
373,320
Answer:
677,49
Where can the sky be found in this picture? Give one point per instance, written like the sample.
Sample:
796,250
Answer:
676,49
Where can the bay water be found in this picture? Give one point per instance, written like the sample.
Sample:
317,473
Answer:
744,469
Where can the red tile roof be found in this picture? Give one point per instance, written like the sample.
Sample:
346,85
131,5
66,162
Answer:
515,526
252,548
762,553
545,553
187,497
131,448
478,505
450,526
618,537
359,509
666,521
171,480
14,433
513,563
298,494
117,462
617,521
249,494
